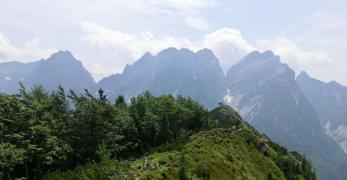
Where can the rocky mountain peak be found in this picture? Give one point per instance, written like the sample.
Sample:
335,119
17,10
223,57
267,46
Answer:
62,56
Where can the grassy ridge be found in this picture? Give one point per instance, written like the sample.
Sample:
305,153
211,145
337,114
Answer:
217,154
232,150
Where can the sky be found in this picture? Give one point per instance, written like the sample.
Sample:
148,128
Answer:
106,35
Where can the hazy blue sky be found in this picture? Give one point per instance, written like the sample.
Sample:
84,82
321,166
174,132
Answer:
106,35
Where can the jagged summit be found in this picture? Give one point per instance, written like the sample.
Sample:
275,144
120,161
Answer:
268,56
304,77
205,51
259,60
173,51
61,68
184,51
207,55
303,74
62,55
260,68
263,55
172,71
146,55
335,84
269,53
264,91
63,52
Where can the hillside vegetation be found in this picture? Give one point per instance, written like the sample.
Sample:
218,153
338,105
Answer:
78,136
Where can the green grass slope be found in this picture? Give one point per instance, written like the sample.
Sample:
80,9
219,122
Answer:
230,150
216,154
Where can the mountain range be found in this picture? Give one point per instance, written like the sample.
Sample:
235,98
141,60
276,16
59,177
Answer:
301,113
197,75
330,102
265,93
60,68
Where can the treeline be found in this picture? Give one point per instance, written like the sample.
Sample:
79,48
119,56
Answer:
44,131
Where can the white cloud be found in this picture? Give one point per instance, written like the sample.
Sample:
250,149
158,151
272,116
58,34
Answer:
295,56
115,48
136,26
317,43
6,48
197,23
183,5
228,45
188,10
30,51
104,38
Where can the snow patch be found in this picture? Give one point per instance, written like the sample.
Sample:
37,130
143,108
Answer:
248,111
8,78
228,99
295,96
339,134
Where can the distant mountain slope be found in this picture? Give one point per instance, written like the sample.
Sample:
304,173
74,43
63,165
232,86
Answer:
265,93
197,75
13,72
60,68
330,102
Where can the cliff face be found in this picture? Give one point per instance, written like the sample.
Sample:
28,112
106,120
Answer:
177,72
264,91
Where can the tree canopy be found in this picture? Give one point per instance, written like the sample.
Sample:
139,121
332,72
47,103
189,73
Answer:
42,131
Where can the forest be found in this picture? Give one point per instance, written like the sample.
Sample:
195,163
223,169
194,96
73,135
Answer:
44,134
